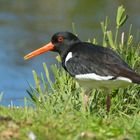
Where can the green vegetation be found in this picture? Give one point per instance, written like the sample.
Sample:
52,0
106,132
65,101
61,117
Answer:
58,111
18,123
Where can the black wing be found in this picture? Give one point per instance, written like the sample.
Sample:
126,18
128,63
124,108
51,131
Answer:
88,58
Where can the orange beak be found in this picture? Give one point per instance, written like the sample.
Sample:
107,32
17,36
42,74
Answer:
46,48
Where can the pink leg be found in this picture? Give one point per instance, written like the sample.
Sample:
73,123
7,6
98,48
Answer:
86,99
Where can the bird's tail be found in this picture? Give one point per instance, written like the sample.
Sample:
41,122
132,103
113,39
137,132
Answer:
134,77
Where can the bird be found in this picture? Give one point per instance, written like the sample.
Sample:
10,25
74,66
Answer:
92,66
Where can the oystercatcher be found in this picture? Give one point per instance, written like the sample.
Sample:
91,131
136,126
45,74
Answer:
91,65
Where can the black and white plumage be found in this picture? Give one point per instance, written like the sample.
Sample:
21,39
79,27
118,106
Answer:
102,66
91,65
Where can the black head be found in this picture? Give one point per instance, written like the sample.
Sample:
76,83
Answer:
60,42
63,40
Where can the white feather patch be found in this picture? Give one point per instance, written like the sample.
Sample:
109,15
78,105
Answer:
69,55
92,80
124,79
92,76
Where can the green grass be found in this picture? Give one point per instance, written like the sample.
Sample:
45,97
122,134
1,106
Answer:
69,125
58,112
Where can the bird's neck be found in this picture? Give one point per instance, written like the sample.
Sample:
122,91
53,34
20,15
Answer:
64,50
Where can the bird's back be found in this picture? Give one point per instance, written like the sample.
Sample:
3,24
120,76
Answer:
88,58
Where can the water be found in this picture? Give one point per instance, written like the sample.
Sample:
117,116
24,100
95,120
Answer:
26,25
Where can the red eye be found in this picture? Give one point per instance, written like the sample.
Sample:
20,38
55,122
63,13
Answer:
60,39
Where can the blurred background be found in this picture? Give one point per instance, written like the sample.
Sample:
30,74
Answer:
26,25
